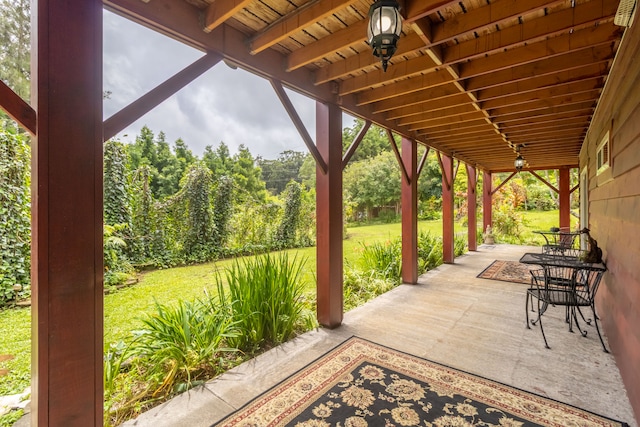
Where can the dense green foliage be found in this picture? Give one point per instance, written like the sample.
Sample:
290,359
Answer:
264,296
15,227
286,233
279,172
15,46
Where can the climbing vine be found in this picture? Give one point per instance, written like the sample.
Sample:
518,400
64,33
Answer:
286,234
15,227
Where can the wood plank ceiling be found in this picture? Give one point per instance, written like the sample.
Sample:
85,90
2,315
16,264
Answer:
471,78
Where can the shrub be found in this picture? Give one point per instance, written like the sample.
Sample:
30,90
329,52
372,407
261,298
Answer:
183,342
360,287
459,244
429,251
264,299
384,260
117,268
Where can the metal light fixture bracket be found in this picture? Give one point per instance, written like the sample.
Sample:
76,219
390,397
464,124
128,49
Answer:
385,26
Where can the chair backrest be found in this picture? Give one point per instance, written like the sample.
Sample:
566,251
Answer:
567,239
587,283
568,286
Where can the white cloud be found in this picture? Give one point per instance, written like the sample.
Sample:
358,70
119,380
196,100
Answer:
227,105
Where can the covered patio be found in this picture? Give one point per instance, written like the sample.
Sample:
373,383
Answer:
476,81
451,317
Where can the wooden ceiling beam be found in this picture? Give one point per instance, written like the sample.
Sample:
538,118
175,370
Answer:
492,14
550,124
221,10
457,111
589,71
545,93
457,119
546,49
532,30
473,126
451,141
547,112
407,86
417,9
544,130
542,67
429,105
413,98
363,60
409,68
536,121
549,118
294,22
342,39
546,103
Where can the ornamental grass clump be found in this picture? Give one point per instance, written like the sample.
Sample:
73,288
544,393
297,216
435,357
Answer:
264,296
184,342
384,260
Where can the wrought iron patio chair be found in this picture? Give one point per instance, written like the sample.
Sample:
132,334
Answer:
560,241
564,286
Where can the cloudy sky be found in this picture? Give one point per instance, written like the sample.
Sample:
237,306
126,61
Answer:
227,105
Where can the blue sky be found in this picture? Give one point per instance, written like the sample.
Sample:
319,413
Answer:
227,105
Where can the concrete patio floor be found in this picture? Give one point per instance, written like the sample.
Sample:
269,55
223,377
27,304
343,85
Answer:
451,317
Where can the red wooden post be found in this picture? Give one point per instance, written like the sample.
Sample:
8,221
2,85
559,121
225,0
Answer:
329,215
67,265
448,255
410,212
487,197
565,198
472,181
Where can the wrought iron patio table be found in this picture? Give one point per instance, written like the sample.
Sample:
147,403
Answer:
559,241
566,281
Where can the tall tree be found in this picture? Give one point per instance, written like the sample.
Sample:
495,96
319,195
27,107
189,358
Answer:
373,143
277,173
248,176
15,45
219,161
373,182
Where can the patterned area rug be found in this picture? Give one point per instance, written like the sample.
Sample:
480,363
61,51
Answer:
508,271
364,384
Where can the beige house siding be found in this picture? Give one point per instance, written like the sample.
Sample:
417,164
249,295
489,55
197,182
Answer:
614,208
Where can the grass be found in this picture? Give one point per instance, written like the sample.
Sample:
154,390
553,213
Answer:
124,309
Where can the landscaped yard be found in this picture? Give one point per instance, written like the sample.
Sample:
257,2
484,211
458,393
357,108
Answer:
124,308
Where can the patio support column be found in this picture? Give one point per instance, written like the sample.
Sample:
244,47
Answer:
448,255
564,196
472,222
329,215
487,196
410,212
67,265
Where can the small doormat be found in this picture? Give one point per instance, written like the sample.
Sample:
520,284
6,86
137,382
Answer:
508,271
360,383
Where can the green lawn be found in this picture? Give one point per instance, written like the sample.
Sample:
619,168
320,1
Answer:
123,308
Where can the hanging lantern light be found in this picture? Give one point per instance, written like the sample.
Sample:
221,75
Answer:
519,161
385,26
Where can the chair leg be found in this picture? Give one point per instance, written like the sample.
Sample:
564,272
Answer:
526,309
539,320
595,317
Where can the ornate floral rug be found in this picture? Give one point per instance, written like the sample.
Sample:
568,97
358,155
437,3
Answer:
360,383
508,271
